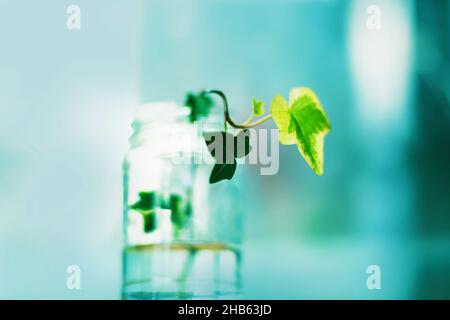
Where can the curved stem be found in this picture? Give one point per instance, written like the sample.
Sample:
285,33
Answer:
228,118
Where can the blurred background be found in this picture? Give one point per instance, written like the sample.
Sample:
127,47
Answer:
67,99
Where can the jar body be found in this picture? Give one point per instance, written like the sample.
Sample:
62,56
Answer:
182,236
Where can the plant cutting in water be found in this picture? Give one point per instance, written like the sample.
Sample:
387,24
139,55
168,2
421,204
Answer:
301,121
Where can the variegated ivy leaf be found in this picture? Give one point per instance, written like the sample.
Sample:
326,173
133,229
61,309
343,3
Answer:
302,121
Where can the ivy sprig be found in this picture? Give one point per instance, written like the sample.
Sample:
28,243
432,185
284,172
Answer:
301,120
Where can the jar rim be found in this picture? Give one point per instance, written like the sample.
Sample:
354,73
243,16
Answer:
169,115
160,110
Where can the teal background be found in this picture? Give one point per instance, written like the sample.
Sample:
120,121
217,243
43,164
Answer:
67,100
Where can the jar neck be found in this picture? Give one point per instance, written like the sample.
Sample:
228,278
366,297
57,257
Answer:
155,122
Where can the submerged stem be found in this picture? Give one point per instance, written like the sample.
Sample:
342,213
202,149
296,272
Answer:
228,118
187,268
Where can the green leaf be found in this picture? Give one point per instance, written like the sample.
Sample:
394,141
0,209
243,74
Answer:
303,122
146,205
222,171
200,104
149,222
258,107
282,117
147,202
181,210
164,200
226,148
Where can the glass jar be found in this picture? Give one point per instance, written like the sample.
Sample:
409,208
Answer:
182,235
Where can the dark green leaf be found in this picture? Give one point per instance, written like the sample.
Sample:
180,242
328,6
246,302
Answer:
225,148
181,210
147,202
146,205
200,104
222,171
149,222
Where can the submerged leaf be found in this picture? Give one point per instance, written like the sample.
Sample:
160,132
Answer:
149,222
181,210
146,206
147,202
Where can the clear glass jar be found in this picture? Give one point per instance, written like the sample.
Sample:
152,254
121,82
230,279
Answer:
182,235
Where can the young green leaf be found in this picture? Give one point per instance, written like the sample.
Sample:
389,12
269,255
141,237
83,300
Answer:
258,107
302,121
